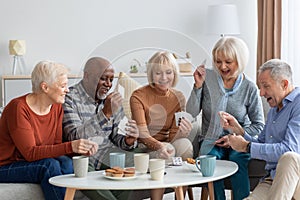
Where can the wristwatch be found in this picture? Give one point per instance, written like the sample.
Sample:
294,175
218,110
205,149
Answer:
248,148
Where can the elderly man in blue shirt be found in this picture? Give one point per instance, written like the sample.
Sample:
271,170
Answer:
281,133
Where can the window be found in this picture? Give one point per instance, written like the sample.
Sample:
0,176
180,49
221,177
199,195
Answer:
290,46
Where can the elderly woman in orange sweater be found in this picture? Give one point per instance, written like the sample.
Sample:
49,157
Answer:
154,106
31,133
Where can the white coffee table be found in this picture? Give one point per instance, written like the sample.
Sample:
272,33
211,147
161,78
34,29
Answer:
176,177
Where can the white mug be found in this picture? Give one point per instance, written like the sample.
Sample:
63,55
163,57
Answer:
157,168
80,165
141,162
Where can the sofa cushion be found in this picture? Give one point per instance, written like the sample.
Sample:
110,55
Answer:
28,191
12,191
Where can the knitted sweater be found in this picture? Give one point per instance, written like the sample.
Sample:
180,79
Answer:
154,112
245,105
28,136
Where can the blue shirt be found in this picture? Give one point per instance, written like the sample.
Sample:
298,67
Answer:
280,134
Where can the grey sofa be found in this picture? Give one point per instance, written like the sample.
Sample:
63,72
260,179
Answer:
26,191
12,191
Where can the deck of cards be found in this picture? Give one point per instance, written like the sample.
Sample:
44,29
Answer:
176,161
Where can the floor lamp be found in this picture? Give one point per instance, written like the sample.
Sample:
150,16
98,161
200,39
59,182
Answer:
222,19
17,48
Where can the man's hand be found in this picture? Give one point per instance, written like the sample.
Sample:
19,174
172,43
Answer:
132,132
223,142
229,123
112,103
238,143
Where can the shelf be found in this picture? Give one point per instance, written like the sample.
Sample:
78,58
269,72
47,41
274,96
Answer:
13,77
144,74
72,76
17,85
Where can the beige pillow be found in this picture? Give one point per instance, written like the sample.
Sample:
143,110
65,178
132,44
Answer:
129,85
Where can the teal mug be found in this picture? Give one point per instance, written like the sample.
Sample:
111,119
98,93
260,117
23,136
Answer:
207,164
117,160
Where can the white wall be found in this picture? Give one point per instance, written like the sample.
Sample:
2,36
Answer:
69,31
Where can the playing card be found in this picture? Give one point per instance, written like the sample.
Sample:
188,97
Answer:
122,126
180,115
188,116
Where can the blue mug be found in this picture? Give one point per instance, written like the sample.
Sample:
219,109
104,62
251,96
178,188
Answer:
117,160
207,164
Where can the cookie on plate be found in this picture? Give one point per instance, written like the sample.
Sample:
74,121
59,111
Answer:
109,172
118,173
129,172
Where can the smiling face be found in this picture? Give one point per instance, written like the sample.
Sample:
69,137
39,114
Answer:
163,77
58,90
97,78
273,90
105,83
227,67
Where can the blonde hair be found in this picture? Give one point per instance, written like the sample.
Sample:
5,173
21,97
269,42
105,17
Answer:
48,72
159,59
233,48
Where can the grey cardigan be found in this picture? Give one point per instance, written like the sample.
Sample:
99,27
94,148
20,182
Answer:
245,105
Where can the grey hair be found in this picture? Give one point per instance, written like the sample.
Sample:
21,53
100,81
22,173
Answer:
48,72
234,48
279,70
159,59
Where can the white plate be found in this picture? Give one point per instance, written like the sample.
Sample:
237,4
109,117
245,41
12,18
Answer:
119,178
190,166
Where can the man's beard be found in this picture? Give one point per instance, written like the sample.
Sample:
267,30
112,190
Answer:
100,96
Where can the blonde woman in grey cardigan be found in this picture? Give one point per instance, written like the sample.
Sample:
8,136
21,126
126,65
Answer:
226,88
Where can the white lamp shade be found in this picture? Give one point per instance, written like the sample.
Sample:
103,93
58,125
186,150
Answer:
17,47
222,20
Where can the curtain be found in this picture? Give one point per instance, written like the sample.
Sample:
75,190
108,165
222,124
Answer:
290,36
269,30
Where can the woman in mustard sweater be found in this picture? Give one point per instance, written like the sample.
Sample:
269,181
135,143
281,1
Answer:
154,106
